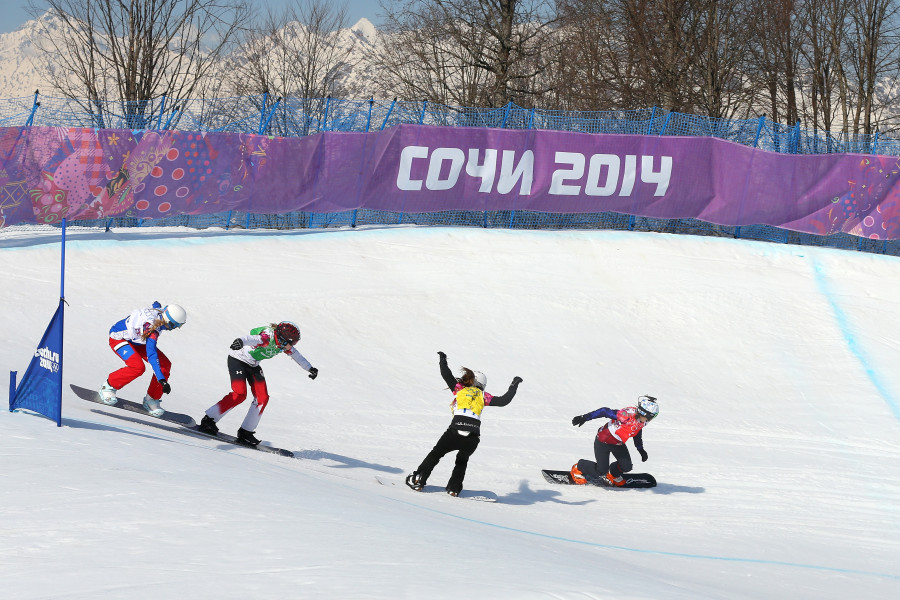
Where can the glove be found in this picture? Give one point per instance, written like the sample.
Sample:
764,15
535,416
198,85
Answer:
166,387
313,372
579,420
237,344
643,454
517,380
443,356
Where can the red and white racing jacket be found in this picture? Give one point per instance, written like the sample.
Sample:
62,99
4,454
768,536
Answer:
621,429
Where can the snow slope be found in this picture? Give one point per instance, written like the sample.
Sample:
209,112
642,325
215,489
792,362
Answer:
776,448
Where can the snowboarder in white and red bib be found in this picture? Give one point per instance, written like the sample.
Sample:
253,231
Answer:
624,424
134,339
464,433
243,367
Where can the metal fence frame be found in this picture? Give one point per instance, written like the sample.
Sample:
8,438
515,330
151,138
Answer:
296,117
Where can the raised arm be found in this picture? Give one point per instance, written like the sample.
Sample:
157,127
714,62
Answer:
508,396
446,373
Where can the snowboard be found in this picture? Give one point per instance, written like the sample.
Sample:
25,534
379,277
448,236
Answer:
136,407
480,495
632,480
224,437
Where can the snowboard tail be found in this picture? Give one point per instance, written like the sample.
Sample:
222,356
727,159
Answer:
224,437
632,480
135,407
478,495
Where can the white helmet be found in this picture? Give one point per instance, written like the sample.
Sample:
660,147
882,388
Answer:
480,380
174,315
647,407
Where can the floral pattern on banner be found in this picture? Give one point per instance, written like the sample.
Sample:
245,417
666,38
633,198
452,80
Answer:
81,173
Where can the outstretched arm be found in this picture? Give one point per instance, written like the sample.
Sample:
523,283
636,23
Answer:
446,373
607,413
508,396
299,359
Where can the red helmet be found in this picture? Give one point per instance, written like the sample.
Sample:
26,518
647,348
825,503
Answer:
287,333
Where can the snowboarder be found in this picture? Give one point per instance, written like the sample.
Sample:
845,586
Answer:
463,435
624,424
134,340
243,366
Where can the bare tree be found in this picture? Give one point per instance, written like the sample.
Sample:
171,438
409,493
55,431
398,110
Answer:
874,55
300,55
474,52
775,54
721,87
133,51
825,23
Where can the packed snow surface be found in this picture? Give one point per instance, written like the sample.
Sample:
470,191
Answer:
777,447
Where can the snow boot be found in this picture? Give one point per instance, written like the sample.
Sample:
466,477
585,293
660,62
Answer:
107,394
577,475
247,437
152,406
208,425
415,481
614,481
453,493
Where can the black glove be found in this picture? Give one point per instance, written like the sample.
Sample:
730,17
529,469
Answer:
517,380
579,420
643,454
166,387
443,356
237,344
313,372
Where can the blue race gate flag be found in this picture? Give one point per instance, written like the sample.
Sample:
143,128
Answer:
41,387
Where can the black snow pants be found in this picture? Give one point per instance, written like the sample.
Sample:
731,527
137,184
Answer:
452,440
602,452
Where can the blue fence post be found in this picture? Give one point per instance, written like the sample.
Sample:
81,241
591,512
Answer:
388,115
270,115
171,116
759,128
162,109
228,220
531,118
34,108
368,123
12,389
369,117
875,144
505,115
262,111
665,124
422,116
796,139
325,118
652,116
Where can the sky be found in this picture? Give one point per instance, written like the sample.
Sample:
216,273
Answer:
777,446
14,13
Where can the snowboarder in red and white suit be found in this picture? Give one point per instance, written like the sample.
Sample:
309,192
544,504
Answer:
243,367
625,424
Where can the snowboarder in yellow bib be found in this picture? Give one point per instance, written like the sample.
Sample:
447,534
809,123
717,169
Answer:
464,433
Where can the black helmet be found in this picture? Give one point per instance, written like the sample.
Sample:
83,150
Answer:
287,333
647,407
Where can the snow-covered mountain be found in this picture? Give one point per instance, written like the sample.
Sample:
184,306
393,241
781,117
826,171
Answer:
21,73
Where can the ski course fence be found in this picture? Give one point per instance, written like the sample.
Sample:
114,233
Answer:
297,117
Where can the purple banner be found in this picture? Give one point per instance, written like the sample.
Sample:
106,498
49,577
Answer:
50,173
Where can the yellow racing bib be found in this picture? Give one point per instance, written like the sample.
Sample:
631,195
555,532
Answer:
470,400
